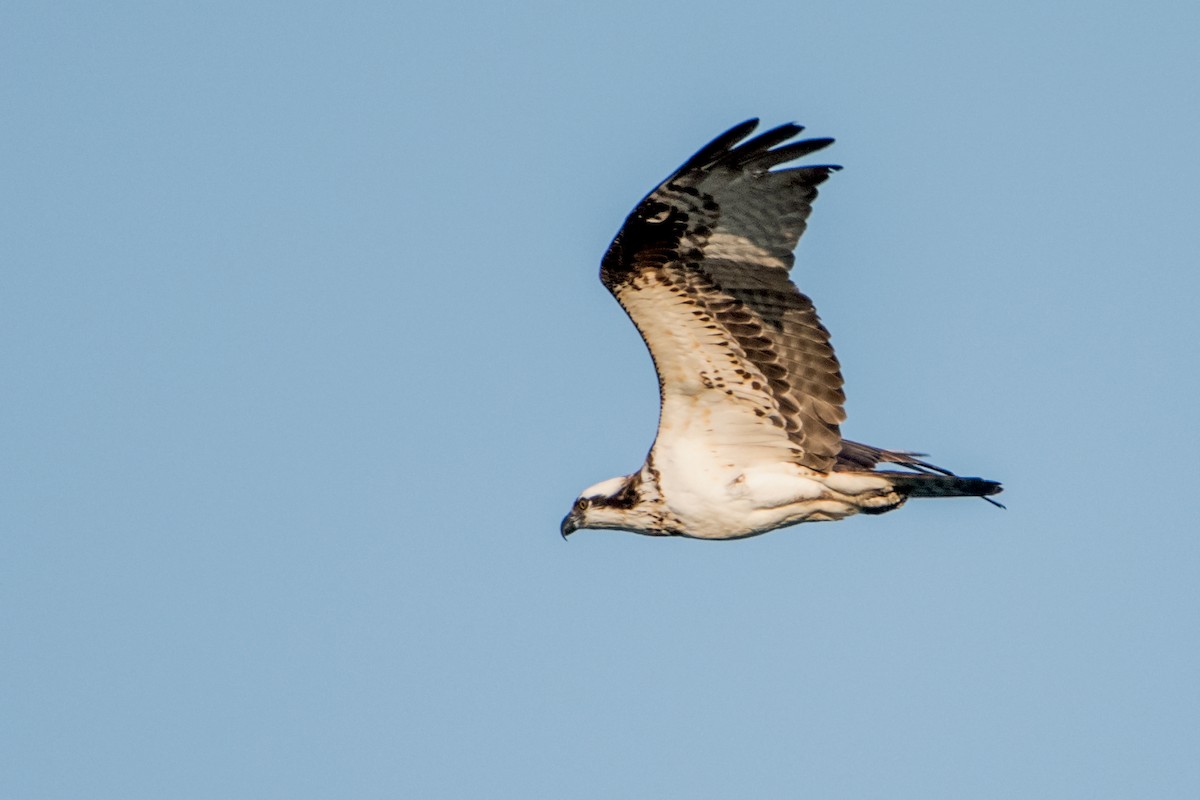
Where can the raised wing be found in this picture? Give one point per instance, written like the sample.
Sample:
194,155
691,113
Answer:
701,267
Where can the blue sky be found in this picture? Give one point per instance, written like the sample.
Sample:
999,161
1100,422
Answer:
305,357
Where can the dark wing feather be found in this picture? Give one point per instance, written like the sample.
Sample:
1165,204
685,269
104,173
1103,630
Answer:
720,231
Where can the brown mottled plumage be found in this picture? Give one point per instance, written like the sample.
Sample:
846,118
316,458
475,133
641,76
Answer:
751,390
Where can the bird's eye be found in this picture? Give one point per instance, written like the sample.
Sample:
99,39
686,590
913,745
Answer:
582,503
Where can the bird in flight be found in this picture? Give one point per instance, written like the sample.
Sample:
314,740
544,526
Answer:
750,390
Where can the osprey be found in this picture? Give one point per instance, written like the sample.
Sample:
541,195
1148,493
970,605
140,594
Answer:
750,390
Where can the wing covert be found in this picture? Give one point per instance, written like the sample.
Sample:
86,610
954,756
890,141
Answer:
701,267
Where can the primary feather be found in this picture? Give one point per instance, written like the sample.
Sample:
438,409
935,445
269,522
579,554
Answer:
750,389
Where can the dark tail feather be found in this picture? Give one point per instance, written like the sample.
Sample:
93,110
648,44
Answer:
943,486
857,456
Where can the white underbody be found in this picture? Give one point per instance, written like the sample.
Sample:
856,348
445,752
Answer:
723,470
709,499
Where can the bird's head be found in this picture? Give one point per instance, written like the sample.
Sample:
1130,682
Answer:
611,504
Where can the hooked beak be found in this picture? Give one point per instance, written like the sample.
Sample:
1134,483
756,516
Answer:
570,524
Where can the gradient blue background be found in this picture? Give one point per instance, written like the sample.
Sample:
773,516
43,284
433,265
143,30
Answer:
304,357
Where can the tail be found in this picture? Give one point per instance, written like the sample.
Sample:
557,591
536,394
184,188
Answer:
921,485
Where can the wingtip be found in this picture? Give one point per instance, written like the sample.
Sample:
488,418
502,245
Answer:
740,131
735,148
